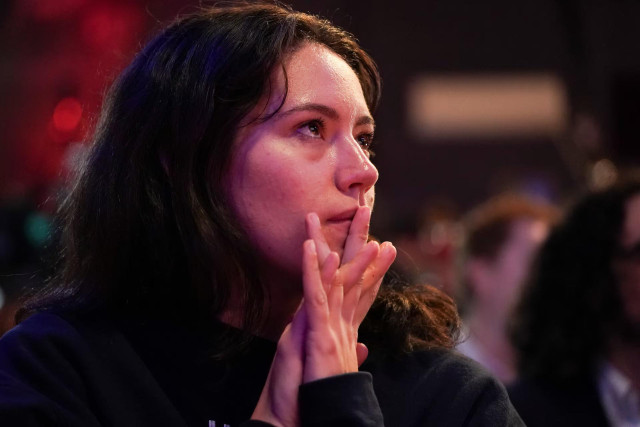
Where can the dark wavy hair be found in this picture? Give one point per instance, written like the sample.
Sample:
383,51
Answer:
571,305
406,318
146,227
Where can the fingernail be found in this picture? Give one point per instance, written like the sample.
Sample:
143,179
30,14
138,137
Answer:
312,219
311,245
389,248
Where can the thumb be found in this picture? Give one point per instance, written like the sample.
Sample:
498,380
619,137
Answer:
361,353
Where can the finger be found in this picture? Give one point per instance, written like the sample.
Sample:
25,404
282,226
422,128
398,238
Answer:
351,273
358,234
336,296
372,279
361,352
351,303
352,276
378,267
297,327
314,231
315,297
329,269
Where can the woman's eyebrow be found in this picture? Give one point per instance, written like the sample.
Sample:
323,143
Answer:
324,110
366,120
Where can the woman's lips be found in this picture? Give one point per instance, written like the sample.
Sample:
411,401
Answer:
337,229
339,223
344,216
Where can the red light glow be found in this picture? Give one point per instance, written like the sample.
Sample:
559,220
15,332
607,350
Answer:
49,10
67,115
110,27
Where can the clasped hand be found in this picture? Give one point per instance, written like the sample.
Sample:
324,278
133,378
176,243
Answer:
322,339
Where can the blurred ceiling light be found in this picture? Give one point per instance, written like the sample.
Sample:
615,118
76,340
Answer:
487,106
604,173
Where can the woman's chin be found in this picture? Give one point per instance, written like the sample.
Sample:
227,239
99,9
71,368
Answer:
336,239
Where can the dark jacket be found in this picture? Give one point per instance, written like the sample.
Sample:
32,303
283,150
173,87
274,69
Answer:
98,370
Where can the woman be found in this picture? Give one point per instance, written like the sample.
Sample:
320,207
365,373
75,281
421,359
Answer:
224,206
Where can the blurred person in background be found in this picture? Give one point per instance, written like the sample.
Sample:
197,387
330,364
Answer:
577,326
502,236
427,242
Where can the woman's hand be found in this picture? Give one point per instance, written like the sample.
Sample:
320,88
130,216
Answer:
338,295
369,281
321,341
278,403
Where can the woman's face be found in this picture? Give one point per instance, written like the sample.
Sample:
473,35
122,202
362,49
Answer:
311,156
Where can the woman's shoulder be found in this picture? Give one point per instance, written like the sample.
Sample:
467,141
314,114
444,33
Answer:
434,369
40,380
55,330
40,329
439,387
57,346
69,369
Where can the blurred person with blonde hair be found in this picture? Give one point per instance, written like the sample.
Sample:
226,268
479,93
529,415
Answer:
502,236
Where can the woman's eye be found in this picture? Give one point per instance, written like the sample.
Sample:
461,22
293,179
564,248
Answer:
312,129
366,142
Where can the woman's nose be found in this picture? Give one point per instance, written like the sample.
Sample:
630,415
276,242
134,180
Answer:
355,173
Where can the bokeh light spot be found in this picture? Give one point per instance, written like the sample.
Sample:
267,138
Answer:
67,114
37,229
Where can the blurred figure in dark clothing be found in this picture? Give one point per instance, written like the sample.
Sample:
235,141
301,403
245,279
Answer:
503,235
577,327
